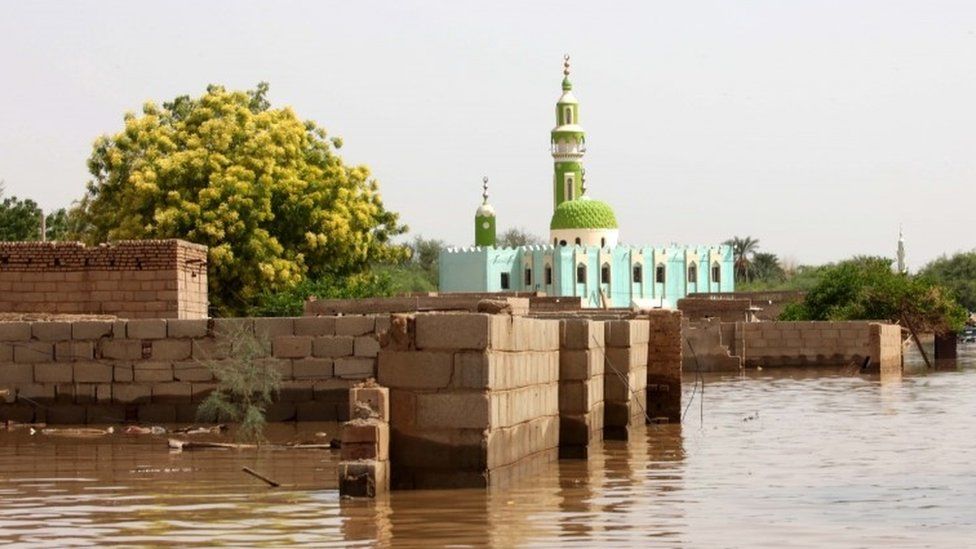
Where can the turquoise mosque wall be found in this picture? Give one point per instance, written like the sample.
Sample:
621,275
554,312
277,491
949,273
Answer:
481,269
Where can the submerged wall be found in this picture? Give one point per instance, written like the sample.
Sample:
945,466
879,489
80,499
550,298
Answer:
819,344
128,279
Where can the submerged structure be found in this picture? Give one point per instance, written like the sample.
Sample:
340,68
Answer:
584,256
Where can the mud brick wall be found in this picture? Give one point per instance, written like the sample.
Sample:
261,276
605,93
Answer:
727,310
154,370
473,397
664,365
818,344
581,385
128,279
625,376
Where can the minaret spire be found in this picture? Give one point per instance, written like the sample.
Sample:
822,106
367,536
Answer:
568,144
902,268
484,219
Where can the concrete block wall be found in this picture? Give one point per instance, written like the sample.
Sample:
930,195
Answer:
664,364
817,343
581,385
473,396
726,310
154,370
884,342
625,376
128,279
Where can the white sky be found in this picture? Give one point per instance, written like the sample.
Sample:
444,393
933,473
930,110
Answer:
815,126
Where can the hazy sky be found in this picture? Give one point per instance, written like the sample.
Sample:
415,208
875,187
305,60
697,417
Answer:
817,127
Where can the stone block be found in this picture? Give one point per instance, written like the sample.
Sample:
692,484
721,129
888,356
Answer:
363,478
209,348
187,327
270,328
415,369
332,346
92,372
580,364
31,392
453,331
283,365
152,371
70,351
377,399
191,371
32,352
473,370
91,329
16,374
354,325
578,333
453,410
292,346
53,372
6,352
171,392
15,331
365,439
315,326
121,349
172,349
355,368
122,373
131,393
151,328
312,368
367,346
51,331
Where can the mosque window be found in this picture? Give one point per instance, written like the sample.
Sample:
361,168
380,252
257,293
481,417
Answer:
555,241
567,115
603,242
638,273
578,241
716,273
505,281
605,273
581,274
562,242
569,186
528,276
692,273
659,273
548,274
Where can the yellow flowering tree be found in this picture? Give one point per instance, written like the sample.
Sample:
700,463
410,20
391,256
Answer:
262,188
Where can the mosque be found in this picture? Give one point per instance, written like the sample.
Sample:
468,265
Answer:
584,256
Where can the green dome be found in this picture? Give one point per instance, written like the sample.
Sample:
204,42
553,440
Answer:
583,213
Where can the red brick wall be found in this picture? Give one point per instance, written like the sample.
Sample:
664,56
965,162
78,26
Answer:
129,279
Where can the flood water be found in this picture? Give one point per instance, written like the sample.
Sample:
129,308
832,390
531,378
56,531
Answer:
767,459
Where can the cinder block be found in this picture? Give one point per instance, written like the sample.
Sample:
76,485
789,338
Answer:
122,373
377,399
172,349
292,346
152,371
453,331
270,328
367,346
296,391
580,364
51,331
332,346
171,392
15,331
365,439
187,328
91,329
36,392
355,368
69,351
52,372
33,352
121,349
92,372
315,326
453,410
154,328
363,478
415,369
209,349
354,325
131,393
225,326
191,371
472,370
312,368
581,334
16,374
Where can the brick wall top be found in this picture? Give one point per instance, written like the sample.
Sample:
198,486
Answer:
118,255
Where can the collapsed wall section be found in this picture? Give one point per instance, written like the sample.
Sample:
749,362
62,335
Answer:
156,370
473,397
128,279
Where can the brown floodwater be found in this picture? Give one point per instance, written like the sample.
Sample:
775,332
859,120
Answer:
773,458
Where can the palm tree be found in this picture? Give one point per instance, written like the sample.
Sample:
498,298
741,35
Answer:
765,267
742,249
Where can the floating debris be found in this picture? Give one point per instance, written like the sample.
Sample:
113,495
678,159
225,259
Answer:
73,431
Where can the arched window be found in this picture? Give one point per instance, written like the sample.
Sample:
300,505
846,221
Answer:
555,241
528,276
692,273
567,115
716,273
578,242
562,242
505,281
548,274
659,273
638,273
603,242
605,273
581,273
569,186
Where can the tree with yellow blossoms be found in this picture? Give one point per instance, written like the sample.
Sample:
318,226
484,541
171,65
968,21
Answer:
262,188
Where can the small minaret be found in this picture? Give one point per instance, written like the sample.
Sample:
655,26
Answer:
484,220
902,268
568,143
